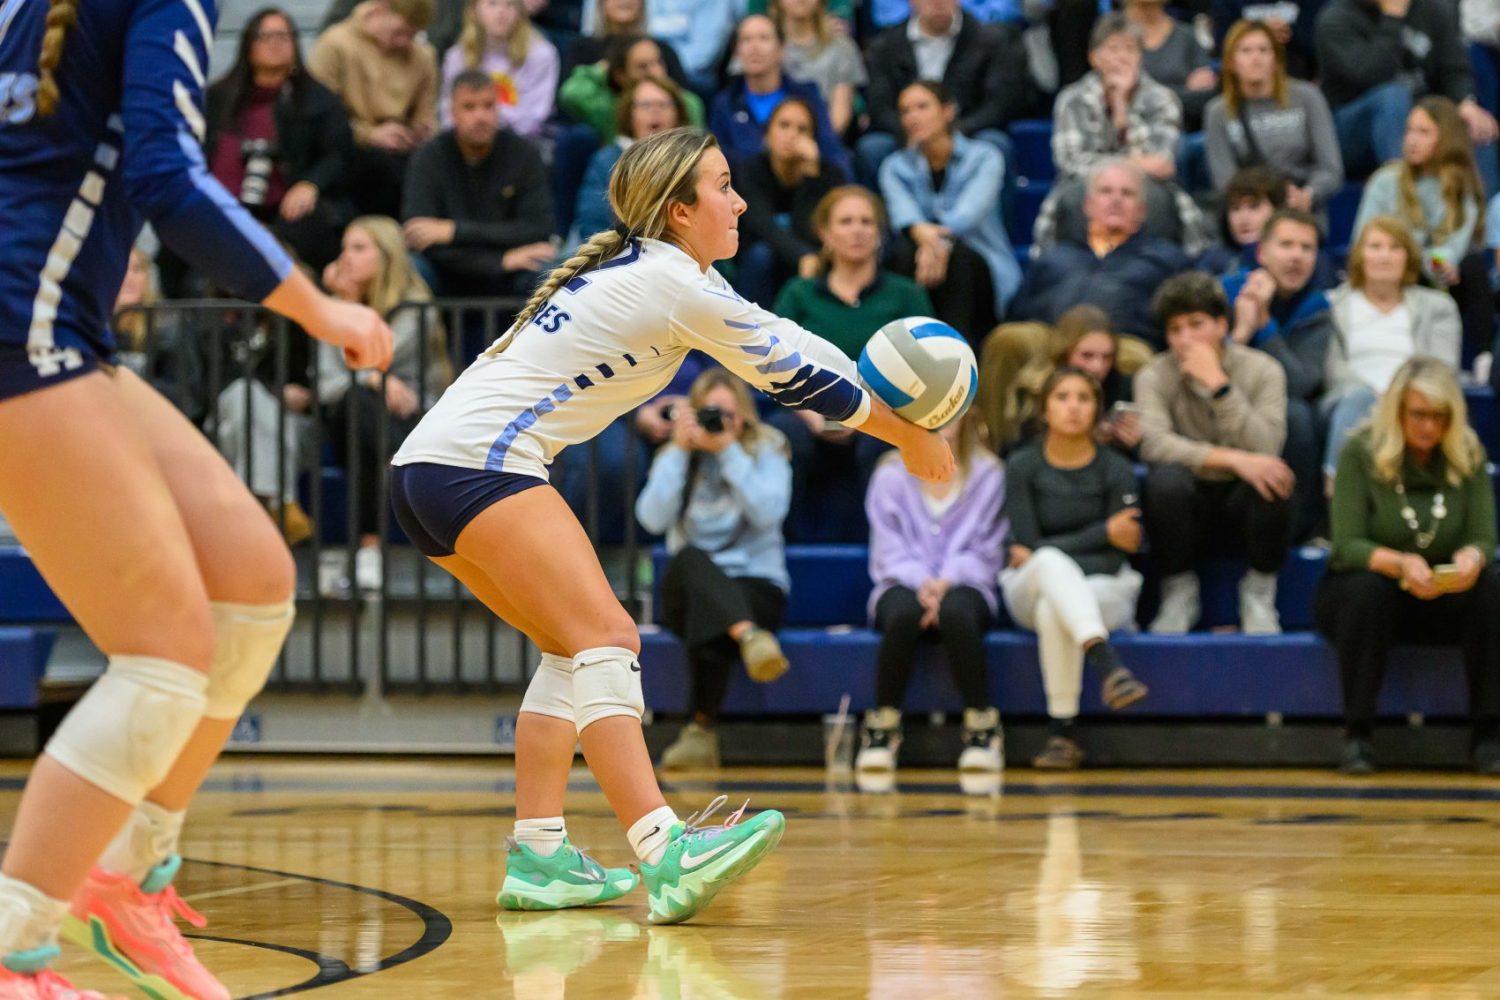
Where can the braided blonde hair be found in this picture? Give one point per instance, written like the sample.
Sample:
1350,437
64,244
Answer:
61,15
652,174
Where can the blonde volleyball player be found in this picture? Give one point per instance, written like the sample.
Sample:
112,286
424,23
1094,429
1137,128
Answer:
604,332
160,554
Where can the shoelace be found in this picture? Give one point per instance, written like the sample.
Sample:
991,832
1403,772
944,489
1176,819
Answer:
169,905
694,826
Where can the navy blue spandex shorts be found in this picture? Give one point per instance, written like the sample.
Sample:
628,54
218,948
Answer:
435,503
20,375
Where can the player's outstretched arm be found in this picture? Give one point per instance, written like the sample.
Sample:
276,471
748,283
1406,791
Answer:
361,333
926,454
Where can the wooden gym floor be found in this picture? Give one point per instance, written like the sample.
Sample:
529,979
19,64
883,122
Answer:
377,879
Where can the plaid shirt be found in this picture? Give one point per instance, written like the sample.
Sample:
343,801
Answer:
1083,133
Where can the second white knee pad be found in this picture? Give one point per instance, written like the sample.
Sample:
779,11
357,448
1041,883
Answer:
124,735
606,682
551,689
248,639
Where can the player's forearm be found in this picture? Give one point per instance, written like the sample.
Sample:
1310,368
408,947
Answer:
887,425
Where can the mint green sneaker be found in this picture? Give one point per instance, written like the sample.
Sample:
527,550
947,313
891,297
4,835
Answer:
568,878
700,861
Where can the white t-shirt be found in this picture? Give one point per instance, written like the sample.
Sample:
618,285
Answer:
607,342
1379,343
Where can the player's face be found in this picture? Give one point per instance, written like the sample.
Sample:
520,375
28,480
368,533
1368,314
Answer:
651,111
852,235
1094,353
360,259
497,18
713,221
476,117
1070,407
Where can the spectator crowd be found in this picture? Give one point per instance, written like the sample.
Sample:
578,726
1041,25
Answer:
1227,299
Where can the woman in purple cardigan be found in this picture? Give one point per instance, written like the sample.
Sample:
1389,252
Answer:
935,556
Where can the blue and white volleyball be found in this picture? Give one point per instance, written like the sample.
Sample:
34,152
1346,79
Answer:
922,368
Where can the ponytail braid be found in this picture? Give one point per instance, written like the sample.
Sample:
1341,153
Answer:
595,251
61,15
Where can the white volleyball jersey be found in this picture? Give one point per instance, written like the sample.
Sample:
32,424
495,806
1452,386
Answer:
610,340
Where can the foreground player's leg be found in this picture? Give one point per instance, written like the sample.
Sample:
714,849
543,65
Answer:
543,870
127,908
534,536
136,592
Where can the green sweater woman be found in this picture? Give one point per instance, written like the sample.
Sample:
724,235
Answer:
1413,520
590,93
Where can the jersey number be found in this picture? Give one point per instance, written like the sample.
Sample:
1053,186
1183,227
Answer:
579,283
17,98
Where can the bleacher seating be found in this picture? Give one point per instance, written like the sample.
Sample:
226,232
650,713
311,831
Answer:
28,612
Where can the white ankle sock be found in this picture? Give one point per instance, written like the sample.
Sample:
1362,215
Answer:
651,834
147,839
542,836
29,918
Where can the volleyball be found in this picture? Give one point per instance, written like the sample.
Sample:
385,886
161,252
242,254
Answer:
922,368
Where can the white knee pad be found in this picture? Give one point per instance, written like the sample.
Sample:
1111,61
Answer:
125,734
247,640
551,689
606,682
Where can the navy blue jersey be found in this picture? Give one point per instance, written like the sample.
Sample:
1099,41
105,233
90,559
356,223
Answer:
123,146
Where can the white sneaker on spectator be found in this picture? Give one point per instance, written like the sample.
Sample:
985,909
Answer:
695,747
1180,605
1258,604
880,741
368,569
984,741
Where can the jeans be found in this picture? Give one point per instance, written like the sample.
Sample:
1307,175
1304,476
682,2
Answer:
1371,127
1341,414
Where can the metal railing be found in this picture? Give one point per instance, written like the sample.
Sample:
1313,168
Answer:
229,365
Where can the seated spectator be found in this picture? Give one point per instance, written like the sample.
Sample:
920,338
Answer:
1277,309
388,80
782,187
698,30
1085,339
279,141
618,17
374,270
741,111
1214,418
983,67
1074,522
1381,319
1291,23
478,206
816,51
591,95
1413,555
1435,190
1115,266
1172,56
1264,119
1118,112
648,106
934,557
1249,199
943,191
851,298
1379,56
499,40
719,492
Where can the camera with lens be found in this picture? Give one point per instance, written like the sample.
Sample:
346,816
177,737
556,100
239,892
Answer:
711,419
258,166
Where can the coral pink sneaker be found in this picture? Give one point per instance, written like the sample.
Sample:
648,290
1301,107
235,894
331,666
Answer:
132,928
24,976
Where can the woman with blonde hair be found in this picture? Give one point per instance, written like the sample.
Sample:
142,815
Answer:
816,51
1074,522
375,270
469,488
719,491
1381,317
499,39
934,558
1413,518
1435,190
1265,119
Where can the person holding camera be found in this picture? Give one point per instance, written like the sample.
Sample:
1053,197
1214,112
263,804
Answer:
1412,562
719,490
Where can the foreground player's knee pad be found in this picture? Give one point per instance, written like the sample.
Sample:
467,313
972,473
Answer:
606,682
551,689
125,734
248,639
